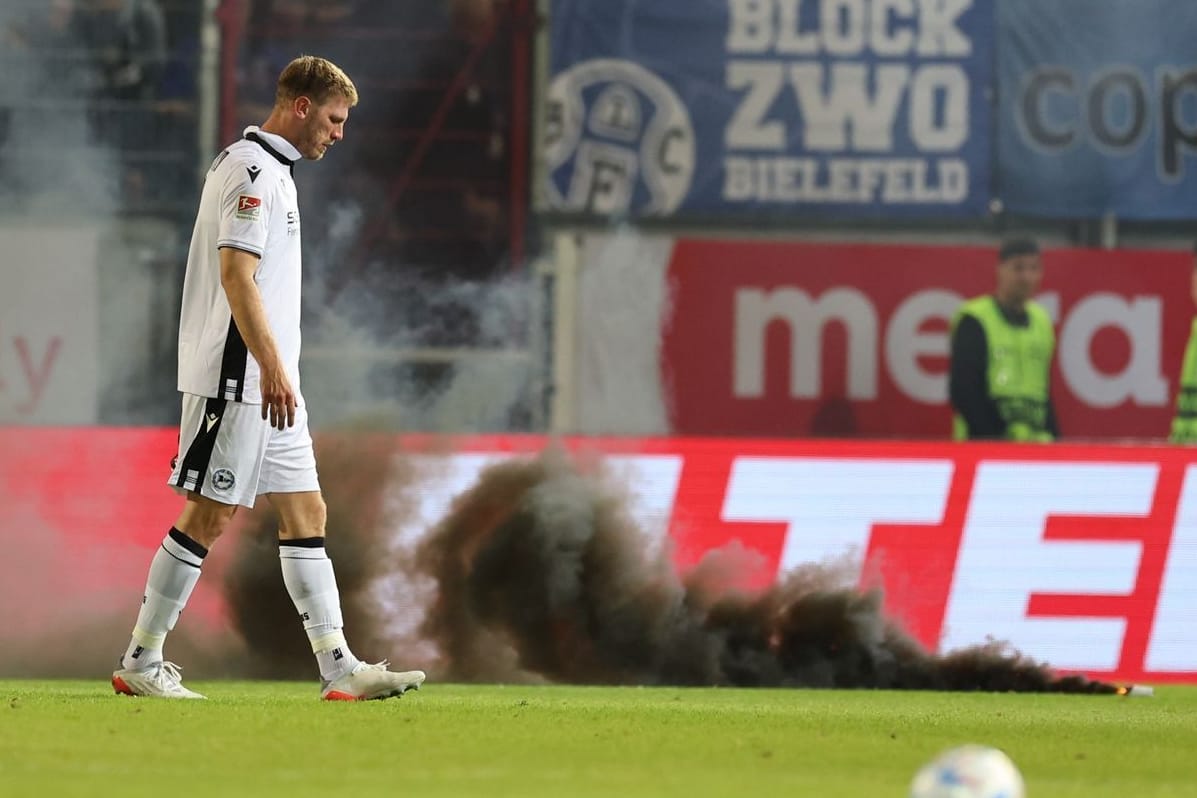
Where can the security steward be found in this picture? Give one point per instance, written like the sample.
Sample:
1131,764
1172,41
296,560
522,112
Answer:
1002,348
1184,425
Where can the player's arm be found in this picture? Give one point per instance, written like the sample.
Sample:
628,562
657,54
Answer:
237,269
968,381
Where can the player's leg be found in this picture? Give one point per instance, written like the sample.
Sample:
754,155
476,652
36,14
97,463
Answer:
174,572
310,579
290,483
217,442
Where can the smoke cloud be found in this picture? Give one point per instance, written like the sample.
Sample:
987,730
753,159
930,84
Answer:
75,158
50,159
545,556
539,574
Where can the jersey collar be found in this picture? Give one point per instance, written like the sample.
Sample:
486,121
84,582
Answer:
279,148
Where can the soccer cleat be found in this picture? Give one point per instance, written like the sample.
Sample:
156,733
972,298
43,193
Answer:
368,682
160,680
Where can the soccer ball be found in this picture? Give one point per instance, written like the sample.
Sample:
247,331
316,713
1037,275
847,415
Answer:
969,771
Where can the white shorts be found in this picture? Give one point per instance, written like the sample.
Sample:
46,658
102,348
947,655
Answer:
228,453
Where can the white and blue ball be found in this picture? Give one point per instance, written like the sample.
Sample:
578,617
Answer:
969,771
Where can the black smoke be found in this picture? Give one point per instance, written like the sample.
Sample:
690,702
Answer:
543,557
539,573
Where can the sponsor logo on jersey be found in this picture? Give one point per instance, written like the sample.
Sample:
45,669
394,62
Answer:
254,170
249,208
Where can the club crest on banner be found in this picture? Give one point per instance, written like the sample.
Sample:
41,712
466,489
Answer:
618,141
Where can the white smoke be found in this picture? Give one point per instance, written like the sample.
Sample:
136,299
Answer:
61,169
51,161
623,301
391,348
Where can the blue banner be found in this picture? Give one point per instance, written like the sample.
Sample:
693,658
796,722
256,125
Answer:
1098,108
770,107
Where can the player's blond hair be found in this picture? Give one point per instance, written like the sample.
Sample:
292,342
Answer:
316,78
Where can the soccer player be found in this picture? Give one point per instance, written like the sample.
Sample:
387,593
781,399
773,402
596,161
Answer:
244,429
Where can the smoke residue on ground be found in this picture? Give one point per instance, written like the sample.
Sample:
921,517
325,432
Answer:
539,573
544,556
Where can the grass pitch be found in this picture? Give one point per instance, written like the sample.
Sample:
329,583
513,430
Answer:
259,739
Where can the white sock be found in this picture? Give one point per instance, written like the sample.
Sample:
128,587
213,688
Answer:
309,576
173,573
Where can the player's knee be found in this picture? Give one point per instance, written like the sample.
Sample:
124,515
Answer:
317,517
205,521
303,519
206,530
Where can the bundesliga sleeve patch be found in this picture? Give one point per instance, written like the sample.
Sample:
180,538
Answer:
249,208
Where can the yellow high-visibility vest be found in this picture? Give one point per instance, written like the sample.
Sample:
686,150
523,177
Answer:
1184,426
1019,374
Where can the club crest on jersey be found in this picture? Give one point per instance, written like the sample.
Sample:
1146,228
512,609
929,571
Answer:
223,479
249,208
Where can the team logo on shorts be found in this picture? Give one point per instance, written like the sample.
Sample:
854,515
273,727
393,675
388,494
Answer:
618,140
249,208
223,479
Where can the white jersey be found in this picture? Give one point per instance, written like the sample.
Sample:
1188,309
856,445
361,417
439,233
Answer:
249,203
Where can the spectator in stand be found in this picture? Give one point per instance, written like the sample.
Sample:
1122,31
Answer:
1184,425
42,99
1001,354
42,52
128,38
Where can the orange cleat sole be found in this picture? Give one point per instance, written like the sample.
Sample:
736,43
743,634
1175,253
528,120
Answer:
339,696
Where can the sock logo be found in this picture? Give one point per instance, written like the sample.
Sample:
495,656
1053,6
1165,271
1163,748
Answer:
137,652
337,655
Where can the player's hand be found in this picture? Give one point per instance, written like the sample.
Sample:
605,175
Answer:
278,399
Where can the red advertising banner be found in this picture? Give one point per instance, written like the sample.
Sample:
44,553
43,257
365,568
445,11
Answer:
804,339
82,510
1081,556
